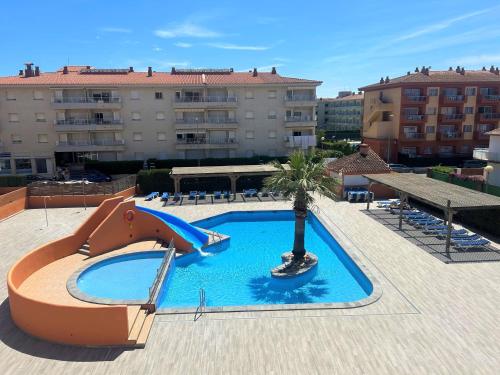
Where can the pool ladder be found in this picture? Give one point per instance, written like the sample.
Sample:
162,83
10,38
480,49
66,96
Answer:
201,307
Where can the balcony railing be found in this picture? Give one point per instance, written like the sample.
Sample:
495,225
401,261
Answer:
490,116
416,117
82,99
452,116
416,98
486,154
210,120
206,99
449,135
95,142
481,134
411,136
89,122
300,98
298,118
491,98
454,98
303,141
206,141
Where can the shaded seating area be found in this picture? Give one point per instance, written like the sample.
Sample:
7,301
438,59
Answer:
442,196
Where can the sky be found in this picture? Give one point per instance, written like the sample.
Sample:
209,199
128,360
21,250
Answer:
345,44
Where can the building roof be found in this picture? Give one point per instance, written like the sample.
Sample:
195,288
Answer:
117,77
347,97
357,164
224,170
494,132
435,192
439,76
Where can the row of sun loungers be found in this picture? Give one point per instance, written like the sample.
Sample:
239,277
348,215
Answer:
460,238
202,195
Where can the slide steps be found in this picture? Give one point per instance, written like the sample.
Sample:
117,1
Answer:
85,249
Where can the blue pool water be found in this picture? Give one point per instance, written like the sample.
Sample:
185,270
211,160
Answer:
237,272
240,274
126,276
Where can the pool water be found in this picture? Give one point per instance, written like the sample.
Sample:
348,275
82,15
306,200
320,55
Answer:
240,274
125,277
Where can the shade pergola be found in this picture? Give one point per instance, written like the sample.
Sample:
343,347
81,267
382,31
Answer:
444,196
233,172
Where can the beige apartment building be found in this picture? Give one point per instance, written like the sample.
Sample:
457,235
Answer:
78,112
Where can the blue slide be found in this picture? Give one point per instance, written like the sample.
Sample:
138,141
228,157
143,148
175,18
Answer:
190,233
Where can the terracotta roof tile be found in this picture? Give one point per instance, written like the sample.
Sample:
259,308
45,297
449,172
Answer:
158,78
356,163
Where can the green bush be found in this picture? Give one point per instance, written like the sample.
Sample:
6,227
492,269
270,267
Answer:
443,169
155,180
12,180
342,146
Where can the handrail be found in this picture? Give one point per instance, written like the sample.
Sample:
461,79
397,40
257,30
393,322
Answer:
201,306
159,271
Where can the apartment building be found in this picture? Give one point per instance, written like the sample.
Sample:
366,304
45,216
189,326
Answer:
343,113
78,112
429,113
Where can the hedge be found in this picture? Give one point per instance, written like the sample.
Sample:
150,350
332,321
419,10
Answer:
155,180
12,180
115,167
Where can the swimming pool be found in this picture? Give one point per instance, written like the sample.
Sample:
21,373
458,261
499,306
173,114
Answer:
240,275
236,272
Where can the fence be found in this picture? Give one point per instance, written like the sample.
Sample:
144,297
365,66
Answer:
474,185
52,188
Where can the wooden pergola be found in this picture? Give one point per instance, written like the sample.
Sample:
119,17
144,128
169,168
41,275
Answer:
233,172
444,196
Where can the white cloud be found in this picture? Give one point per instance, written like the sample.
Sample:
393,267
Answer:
186,29
183,45
238,47
477,59
116,30
157,49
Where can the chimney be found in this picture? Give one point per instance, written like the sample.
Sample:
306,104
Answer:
363,149
21,72
231,70
462,71
130,69
381,80
28,71
408,73
88,67
150,71
497,71
457,70
423,69
450,69
172,71
387,79
416,70
492,69
65,70
37,71
484,69
254,74
273,70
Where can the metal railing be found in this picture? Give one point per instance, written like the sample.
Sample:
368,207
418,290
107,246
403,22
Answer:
454,98
204,141
201,306
300,98
415,117
298,118
416,98
103,142
490,116
86,99
159,272
491,97
413,135
206,99
82,121
210,120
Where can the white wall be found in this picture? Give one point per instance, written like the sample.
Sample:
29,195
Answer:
355,180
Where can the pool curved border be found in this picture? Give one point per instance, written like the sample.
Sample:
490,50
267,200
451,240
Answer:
347,246
75,291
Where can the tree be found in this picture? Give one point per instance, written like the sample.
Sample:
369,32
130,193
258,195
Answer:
300,178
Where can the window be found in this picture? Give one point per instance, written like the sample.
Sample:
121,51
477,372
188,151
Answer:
271,94
134,95
271,134
271,115
40,117
16,139
409,150
13,117
37,95
470,91
249,95
158,95
412,92
5,166
467,128
427,150
10,95
250,134
430,129
136,116
468,110
249,115
23,166
137,137
161,136
432,91
160,115
41,165
43,138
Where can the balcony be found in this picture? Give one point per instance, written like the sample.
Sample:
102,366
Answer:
206,102
299,121
451,117
88,125
77,102
453,98
490,98
486,154
490,116
300,100
300,141
209,123
414,98
414,118
209,143
449,135
481,134
411,136
90,145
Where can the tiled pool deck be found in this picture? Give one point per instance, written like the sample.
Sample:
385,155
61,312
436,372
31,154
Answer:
432,318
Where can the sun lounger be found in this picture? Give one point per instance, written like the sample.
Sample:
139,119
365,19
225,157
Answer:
152,196
217,195
177,196
250,193
470,244
264,193
442,230
423,224
226,194
202,195
165,196
192,195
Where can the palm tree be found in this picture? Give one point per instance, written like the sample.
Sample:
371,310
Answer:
299,178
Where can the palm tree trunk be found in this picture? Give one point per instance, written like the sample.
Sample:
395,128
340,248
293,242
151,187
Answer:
300,209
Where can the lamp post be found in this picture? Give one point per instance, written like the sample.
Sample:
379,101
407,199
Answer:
84,181
322,145
45,205
487,170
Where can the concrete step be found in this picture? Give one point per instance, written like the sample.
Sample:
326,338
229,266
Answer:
84,251
86,246
144,334
137,326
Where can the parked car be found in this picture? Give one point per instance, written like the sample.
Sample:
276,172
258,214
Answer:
400,168
474,164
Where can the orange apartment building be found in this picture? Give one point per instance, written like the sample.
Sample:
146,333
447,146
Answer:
431,114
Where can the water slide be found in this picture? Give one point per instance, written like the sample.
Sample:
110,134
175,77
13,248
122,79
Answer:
187,231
